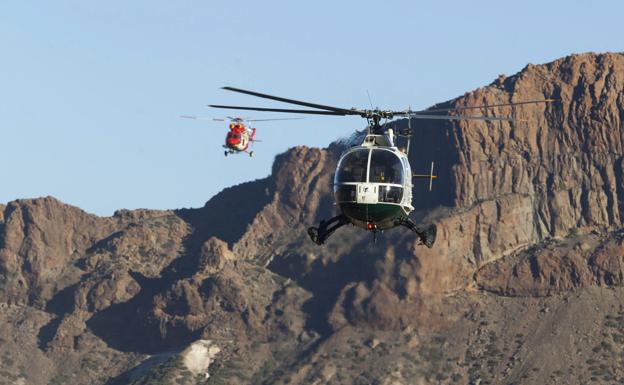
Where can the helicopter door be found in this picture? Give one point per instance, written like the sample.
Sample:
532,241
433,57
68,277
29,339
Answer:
367,193
244,141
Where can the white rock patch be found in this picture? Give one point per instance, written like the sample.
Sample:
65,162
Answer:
199,355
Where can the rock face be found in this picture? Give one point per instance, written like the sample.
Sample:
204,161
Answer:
506,186
524,210
40,238
557,171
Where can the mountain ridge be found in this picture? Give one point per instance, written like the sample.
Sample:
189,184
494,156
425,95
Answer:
528,217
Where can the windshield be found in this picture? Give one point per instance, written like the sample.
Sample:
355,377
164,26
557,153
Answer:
385,167
352,167
345,193
390,194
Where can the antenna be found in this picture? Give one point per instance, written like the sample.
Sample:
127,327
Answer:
370,100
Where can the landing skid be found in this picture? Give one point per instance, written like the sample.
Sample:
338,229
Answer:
228,152
426,236
320,234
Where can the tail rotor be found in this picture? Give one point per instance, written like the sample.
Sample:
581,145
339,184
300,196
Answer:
429,176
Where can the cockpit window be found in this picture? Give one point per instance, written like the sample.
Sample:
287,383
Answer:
353,167
345,193
385,167
390,194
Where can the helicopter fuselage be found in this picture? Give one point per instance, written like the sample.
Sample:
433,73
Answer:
238,138
373,185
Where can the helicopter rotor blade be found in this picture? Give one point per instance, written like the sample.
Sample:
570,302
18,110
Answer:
344,111
270,120
247,119
461,117
200,118
280,110
491,105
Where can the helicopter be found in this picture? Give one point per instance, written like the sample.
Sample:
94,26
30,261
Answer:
373,180
240,136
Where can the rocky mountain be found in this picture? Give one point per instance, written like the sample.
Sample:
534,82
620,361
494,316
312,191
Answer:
523,285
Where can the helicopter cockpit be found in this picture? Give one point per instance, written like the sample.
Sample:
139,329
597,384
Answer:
370,175
385,167
232,138
353,167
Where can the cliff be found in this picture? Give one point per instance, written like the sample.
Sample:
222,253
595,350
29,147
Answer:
529,235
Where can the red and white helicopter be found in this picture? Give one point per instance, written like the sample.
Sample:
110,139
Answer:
240,135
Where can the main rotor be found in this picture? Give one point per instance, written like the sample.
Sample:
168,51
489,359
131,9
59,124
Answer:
373,116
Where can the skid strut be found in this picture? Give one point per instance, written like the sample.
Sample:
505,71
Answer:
320,234
427,236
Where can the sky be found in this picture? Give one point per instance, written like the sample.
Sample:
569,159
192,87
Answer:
91,91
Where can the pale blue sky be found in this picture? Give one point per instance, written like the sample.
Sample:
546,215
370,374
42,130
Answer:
90,91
